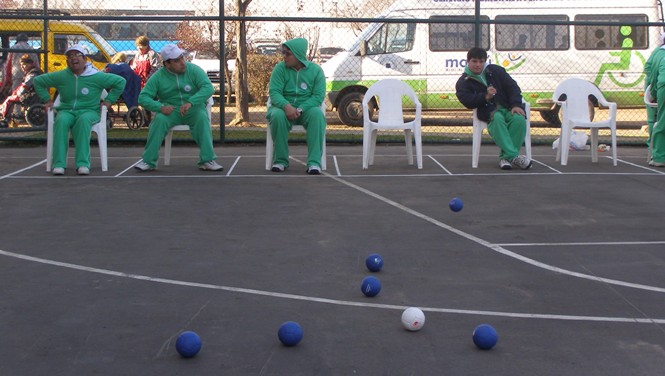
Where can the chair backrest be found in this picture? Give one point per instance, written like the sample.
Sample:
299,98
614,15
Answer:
577,92
390,93
648,100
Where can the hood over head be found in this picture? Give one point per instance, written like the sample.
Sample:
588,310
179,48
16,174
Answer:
299,48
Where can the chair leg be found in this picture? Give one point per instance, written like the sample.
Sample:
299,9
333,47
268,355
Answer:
419,148
103,150
324,154
527,140
594,145
564,144
614,146
167,148
372,145
475,148
270,149
366,148
49,140
408,139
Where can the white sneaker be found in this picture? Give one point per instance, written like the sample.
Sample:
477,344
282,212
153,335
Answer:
504,164
58,171
142,166
656,164
522,162
278,167
83,170
313,170
211,166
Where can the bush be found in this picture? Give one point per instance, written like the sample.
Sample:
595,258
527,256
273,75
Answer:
259,68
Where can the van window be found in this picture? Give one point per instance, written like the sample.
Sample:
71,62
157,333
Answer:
392,38
449,36
536,36
64,41
602,37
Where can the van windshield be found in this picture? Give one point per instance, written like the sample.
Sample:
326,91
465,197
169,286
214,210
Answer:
110,51
368,32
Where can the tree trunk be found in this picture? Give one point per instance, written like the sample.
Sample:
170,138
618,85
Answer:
241,87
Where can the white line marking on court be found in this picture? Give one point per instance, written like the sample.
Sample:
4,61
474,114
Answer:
339,173
23,169
327,300
648,168
495,247
439,164
580,243
548,166
233,166
128,168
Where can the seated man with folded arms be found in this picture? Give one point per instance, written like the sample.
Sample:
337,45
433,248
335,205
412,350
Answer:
498,98
297,88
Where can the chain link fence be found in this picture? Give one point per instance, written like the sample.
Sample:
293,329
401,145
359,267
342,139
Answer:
422,42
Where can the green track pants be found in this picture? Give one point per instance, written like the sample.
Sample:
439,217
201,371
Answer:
199,125
314,122
80,123
508,131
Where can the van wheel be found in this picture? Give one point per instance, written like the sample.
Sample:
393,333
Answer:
552,116
350,109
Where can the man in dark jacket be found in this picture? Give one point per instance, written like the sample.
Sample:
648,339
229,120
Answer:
498,98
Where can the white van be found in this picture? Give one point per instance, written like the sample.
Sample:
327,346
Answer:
431,56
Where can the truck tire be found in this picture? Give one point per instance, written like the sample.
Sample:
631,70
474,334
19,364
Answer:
350,109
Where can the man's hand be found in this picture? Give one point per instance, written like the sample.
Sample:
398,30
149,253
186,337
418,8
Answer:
48,105
184,108
107,104
518,110
166,110
291,112
491,92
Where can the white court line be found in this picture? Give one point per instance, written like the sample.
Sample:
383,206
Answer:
23,169
546,165
327,300
439,164
648,168
233,166
495,247
127,169
580,243
339,173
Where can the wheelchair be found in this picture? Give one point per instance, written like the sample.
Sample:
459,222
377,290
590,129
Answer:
31,111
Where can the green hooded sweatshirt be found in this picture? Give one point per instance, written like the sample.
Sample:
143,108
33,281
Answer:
304,88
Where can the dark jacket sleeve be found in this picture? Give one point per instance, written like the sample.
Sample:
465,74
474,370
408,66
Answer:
471,93
508,93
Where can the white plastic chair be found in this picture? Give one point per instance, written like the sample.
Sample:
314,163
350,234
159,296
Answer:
99,128
270,146
576,114
182,128
650,102
391,117
479,125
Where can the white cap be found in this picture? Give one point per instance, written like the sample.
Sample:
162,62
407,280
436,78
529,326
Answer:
77,47
171,51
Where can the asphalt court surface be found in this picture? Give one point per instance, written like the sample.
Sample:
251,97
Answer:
100,274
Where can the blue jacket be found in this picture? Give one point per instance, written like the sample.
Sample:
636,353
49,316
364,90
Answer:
133,85
471,92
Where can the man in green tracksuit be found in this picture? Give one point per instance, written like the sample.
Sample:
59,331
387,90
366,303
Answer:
651,68
297,89
80,87
178,93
